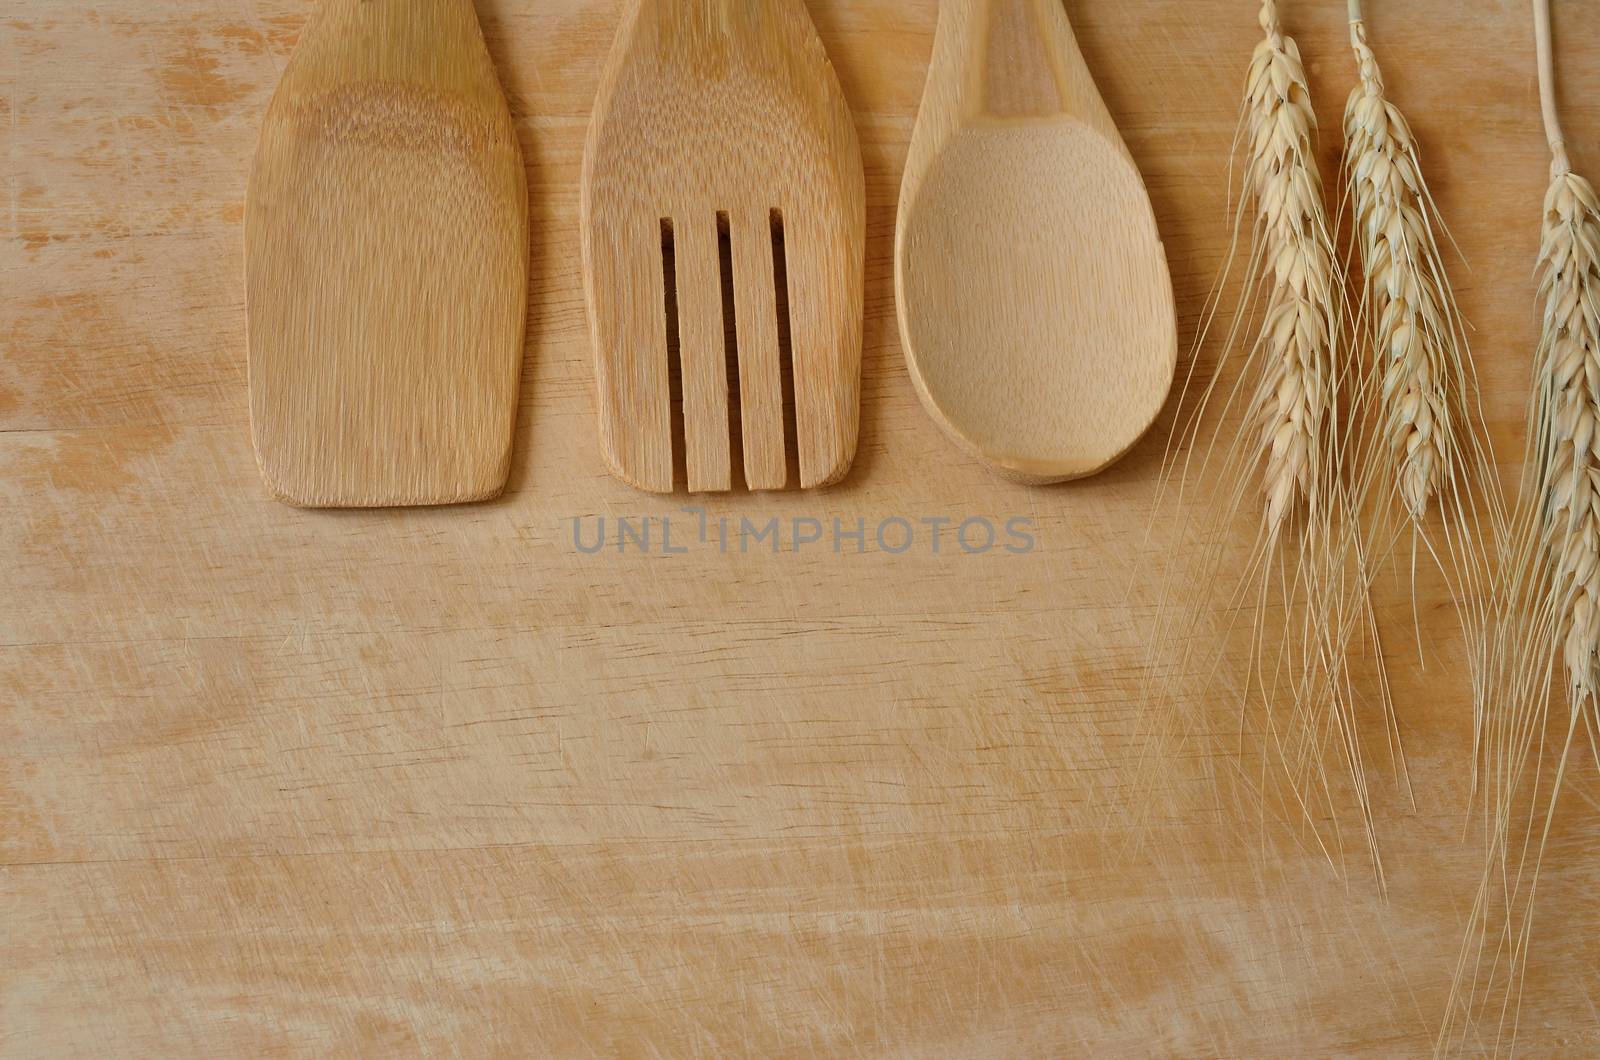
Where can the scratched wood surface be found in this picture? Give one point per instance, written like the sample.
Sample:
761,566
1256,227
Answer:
279,783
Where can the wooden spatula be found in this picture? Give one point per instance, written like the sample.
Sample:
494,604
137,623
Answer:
1035,305
722,157
386,240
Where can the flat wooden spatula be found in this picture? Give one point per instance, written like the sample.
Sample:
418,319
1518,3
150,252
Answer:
723,216
386,243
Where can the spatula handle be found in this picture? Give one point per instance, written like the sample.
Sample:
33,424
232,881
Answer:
705,28
382,40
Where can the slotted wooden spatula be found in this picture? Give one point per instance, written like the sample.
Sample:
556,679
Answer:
722,157
1035,305
386,240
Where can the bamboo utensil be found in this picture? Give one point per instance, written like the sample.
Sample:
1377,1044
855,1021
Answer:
1035,303
722,183
386,242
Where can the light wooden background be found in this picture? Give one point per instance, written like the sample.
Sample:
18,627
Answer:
278,783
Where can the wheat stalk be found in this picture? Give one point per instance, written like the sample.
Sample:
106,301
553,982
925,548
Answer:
1295,405
1262,444
1548,602
1425,451
1548,607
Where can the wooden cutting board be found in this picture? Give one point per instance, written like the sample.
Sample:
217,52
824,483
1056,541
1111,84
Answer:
288,783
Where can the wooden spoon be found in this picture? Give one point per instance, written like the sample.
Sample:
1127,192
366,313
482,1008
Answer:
386,241
721,159
1034,299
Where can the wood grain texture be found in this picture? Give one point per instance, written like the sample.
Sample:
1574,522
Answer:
386,241
1035,302
277,783
721,122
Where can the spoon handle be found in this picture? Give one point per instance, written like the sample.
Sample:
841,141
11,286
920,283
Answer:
1010,61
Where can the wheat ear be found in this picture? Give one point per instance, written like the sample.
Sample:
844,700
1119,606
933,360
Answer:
1300,327
1408,306
1569,386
